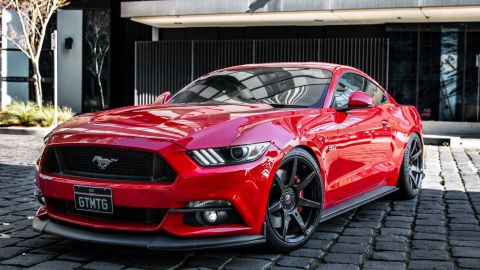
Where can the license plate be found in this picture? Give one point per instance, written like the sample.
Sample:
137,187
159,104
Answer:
93,199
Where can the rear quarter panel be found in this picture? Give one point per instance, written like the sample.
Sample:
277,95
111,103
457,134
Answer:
405,122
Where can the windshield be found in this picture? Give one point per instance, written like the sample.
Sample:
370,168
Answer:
289,87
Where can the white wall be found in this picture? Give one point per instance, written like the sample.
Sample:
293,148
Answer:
69,24
14,63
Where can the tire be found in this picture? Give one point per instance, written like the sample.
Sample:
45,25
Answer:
294,199
411,171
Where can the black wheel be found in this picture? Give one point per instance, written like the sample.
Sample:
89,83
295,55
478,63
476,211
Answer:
411,172
295,201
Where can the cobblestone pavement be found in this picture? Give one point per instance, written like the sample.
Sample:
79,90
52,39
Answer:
439,230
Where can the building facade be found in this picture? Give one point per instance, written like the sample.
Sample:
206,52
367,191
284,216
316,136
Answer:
425,52
85,77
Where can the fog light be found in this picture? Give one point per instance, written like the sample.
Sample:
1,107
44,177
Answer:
208,204
210,217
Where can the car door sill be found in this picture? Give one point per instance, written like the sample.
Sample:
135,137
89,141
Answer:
357,202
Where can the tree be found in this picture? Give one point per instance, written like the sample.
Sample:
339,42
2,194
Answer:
97,35
34,16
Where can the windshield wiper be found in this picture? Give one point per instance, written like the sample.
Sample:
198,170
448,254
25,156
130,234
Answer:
278,105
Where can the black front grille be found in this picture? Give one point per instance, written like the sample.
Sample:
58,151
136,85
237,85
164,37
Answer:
108,163
134,215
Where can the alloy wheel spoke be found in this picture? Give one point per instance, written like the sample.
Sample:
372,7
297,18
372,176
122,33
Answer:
415,169
308,203
413,179
286,224
275,207
305,182
416,155
415,182
413,148
300,222
280,183
293,173
411,175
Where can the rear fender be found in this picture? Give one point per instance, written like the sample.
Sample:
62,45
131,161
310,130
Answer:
409,123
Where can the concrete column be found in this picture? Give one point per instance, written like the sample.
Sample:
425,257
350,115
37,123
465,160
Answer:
70,61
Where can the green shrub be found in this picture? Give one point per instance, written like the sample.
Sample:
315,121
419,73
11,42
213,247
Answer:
21,114
65,113
29,114
47,115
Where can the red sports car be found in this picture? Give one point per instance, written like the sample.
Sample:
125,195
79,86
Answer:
243,155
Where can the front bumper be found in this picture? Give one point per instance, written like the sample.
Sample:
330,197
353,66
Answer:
152,241
245,186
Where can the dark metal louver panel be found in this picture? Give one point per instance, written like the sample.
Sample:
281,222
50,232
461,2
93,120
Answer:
210,55
161,66
170,65
287,50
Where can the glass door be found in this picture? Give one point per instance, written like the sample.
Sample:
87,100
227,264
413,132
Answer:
472,75
451,74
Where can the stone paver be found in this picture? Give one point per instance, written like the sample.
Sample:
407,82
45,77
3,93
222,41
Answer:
439,229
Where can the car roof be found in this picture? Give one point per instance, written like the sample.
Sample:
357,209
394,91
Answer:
319,65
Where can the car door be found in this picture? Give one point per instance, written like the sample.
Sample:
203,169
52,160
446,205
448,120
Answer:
361,143
385,134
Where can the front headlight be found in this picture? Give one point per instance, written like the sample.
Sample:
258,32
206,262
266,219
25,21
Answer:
229,155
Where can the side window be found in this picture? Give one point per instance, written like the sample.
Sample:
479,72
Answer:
306,95
348,83
377,94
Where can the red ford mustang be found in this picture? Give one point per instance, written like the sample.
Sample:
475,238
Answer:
243,155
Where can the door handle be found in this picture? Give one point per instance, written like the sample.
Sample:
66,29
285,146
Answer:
385,123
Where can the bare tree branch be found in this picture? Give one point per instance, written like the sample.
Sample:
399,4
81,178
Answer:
97,35
20,47
33,16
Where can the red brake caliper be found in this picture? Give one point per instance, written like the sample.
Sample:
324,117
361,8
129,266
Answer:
297,180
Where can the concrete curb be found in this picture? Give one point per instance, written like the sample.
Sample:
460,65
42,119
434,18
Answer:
454,142
41,132
452,129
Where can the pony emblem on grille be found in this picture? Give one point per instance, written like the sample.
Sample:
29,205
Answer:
103,163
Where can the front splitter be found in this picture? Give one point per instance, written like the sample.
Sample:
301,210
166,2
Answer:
159,241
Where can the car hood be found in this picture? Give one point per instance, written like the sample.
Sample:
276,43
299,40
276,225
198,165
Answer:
190,126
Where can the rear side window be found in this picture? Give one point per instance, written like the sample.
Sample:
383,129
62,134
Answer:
377,94
347,84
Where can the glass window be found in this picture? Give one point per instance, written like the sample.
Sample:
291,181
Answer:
428,72
377,94
96,60
451,73
301,87
472,75
403,60
432,66
347,84
46,64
